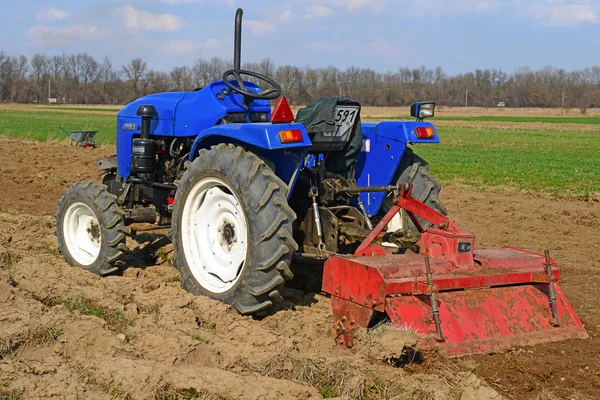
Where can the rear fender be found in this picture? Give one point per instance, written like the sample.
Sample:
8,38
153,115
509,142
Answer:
384,144
262,139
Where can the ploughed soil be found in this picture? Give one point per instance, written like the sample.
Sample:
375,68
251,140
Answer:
66,333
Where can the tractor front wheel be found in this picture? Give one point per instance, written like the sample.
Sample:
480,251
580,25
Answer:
89,228
232,229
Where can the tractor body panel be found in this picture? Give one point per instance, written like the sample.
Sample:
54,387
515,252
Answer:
383,148
182,114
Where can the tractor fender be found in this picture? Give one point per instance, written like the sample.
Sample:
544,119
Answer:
263,139
384,146
401,131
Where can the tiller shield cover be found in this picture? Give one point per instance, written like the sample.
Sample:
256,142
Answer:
485,300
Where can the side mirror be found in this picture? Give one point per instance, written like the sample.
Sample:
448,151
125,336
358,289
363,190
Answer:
422,109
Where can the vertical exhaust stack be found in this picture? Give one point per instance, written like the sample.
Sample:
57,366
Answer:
237,43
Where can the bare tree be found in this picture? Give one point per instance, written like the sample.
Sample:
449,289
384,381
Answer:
39,72
89,73
181,79
136,72
108,78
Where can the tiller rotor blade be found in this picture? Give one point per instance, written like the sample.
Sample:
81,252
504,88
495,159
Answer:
461,300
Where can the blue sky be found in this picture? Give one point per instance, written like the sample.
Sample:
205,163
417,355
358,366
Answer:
459,35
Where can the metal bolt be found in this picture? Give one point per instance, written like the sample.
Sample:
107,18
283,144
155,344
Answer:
337,291
352,322
351,297
344,318
374,303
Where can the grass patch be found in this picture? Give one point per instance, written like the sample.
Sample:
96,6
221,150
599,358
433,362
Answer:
53,251
82,109
6,394
336,379
46,336
162,256
115,319
563,164
167,392
150,309
37,337
110,386
197,337
7,260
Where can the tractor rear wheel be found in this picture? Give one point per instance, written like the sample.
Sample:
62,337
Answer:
413,169
89,228
232,229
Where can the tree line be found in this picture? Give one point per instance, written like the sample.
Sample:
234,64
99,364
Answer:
81,79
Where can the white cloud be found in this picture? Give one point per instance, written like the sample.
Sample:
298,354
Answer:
51,14
214,43
260,28
380,45
51,36
563,14
328,46
284,16
181,47
144,20
355,5
438,8
318,11
352,5
190,48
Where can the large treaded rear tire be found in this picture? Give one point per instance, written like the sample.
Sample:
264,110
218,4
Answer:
426,188
270,245
110,220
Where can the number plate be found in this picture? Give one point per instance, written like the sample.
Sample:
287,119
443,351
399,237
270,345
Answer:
464,247
345,116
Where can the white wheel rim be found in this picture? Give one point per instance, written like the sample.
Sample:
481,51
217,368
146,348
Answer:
82,233
214,234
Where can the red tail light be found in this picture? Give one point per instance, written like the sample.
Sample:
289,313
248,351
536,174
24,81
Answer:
282,112
290,136
424,133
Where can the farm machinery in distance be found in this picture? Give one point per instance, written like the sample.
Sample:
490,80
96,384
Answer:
244,189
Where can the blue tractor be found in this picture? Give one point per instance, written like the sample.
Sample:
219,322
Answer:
245,189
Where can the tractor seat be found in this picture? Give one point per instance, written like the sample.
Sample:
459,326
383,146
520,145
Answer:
333,125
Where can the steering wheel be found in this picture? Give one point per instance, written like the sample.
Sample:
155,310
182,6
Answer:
268,94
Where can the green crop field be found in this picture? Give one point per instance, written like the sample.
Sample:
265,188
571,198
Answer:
560,163
549,120
44,125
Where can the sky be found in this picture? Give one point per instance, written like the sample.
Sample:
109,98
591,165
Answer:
459,35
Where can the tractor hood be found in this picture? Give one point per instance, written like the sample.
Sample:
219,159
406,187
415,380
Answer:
190,113
165,104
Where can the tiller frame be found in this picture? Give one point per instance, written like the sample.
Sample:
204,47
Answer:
460,300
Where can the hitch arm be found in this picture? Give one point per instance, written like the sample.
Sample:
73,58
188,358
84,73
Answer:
415,209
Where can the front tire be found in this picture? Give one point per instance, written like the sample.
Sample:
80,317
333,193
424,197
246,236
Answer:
232,229
90,229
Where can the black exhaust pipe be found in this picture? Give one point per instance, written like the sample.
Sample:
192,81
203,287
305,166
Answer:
237,44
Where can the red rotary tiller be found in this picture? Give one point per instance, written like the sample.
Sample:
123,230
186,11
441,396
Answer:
462,300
